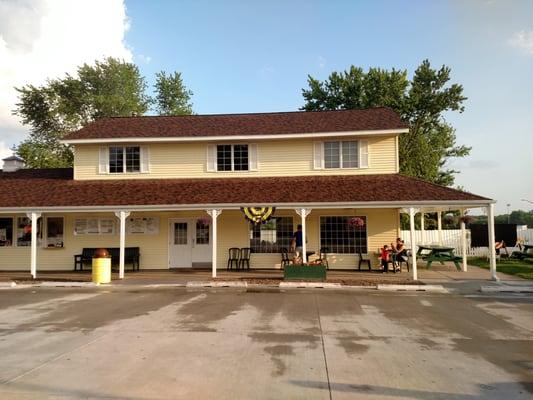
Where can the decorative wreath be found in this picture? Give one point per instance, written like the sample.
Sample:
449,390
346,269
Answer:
258,215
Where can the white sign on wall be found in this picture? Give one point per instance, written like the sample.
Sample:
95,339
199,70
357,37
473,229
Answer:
94,226
142,226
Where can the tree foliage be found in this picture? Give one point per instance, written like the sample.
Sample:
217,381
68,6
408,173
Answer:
108,88
172,97
421,102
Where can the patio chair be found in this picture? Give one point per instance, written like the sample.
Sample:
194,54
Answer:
245,257
285,260
323,256
234,257
363,260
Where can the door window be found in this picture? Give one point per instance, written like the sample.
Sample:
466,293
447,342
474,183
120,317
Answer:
180,233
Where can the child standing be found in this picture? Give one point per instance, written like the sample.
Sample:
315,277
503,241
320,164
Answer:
385,258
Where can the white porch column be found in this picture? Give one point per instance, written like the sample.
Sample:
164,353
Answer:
492,242
439,226
463,242
422,227
33,216
303,213
122,215
214,213
412,212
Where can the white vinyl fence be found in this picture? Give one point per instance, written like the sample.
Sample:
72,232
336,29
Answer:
452,238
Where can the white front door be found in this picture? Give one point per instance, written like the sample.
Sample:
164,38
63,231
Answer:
189,243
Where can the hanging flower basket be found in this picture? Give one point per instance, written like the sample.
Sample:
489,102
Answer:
203,221
356,222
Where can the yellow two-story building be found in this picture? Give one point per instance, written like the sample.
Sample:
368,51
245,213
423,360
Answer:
176,187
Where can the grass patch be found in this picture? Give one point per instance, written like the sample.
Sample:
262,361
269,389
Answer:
521,268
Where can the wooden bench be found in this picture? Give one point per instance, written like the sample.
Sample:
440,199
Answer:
131,256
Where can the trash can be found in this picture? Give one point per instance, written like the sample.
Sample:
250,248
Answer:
101,266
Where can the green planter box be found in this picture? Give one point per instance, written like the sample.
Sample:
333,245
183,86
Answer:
304,272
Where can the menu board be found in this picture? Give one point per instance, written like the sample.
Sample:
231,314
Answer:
142,226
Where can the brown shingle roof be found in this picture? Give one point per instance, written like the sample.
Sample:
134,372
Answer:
56,188
241,124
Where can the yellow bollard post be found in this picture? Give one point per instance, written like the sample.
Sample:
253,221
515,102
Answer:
101,266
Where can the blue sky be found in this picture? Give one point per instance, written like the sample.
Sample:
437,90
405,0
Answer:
254,56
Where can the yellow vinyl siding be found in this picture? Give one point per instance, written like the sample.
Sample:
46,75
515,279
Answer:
275,158
233,231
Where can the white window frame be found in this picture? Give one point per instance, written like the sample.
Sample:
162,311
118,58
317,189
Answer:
144,160
344,215
341,145
232,156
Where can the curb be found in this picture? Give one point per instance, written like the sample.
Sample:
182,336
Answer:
218,284
7,285
413,288
68,284
307,285
507,289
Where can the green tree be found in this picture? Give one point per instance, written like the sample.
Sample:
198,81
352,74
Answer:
172,97
108,88
421,102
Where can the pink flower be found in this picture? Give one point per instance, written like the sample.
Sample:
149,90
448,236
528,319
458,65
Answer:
356,222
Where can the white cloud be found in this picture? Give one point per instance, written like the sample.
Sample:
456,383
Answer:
42,39
5,151
523,40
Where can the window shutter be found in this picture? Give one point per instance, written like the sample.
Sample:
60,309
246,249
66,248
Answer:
318,155
145,159
363,154
103,166
211,157
252,157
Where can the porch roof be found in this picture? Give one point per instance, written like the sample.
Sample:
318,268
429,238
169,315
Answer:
56,188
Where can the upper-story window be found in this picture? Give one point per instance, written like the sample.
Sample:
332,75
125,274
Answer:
232,157
341,154
124,159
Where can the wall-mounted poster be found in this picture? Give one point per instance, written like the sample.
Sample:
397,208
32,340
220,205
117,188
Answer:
142,226
94,226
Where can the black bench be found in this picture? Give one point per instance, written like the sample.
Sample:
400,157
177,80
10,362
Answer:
131,256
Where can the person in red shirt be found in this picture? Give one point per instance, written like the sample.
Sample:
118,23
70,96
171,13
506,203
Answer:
385,258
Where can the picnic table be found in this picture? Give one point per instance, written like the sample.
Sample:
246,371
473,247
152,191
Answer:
526,253
430,253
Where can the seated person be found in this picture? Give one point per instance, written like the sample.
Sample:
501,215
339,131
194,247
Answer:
401,251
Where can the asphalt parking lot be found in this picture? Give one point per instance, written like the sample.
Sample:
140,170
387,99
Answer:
172,343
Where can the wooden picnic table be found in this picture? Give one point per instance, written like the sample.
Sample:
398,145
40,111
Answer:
430,253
